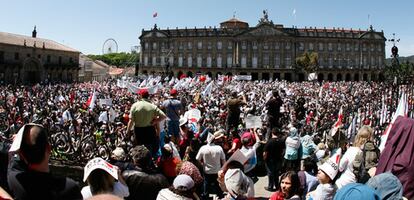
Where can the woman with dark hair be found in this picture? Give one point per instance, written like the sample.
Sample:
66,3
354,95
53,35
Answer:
289,187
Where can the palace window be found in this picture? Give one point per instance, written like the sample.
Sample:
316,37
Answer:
372,47
209,60
364,47
229,60
266,60
254,45
60,60
356,47
180,60
339,47
162,59
230,46
288,60
373,61
190,60
219,61
265,45
154,61
310,46
379,48
330,61
171,60
301,46
243,61
244,46
288,46
180,46
200,45
277,60
219,45
146,45
199,60
254,60
189,45
348,47
277,45
145,60
154,46
208,45
330,46
320,46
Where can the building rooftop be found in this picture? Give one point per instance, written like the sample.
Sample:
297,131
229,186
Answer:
26,41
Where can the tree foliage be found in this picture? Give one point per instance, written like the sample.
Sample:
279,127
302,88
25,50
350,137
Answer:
403,72
121,59
309,62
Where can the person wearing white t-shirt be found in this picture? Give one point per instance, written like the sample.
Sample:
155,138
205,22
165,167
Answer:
212,157
250,142
346,163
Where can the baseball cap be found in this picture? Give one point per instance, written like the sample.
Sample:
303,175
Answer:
99,163
183,182
173,92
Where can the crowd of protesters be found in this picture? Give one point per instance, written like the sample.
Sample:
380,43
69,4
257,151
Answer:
193,139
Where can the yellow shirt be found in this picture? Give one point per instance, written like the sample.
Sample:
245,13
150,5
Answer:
143,112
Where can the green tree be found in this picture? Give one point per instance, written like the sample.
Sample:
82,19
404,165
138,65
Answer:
402,71
308,62
121,59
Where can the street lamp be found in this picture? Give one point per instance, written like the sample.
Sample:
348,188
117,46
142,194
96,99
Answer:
137,62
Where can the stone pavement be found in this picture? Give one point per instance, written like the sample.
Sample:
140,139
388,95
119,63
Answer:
260,192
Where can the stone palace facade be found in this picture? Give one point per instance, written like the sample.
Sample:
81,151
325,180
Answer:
266,51
31,60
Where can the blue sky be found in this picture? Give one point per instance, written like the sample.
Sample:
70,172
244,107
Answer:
85,25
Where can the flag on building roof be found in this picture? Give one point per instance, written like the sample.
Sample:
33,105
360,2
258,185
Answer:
155,15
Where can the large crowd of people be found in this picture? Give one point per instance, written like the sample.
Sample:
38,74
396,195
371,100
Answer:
197,138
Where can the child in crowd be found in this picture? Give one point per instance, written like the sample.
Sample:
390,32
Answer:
326,176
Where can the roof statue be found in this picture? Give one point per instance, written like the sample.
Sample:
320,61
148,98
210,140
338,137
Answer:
265,18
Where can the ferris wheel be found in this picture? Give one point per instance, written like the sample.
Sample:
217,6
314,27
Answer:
110,46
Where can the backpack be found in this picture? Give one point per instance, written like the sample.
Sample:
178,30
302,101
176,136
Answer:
362,163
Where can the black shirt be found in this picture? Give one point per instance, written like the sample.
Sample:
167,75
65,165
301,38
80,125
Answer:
40,185
273,106
275,148
144,185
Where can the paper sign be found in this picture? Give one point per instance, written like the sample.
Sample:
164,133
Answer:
253,122
237,156
243,78
107,102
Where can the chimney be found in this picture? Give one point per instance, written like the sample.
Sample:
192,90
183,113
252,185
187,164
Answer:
34,33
